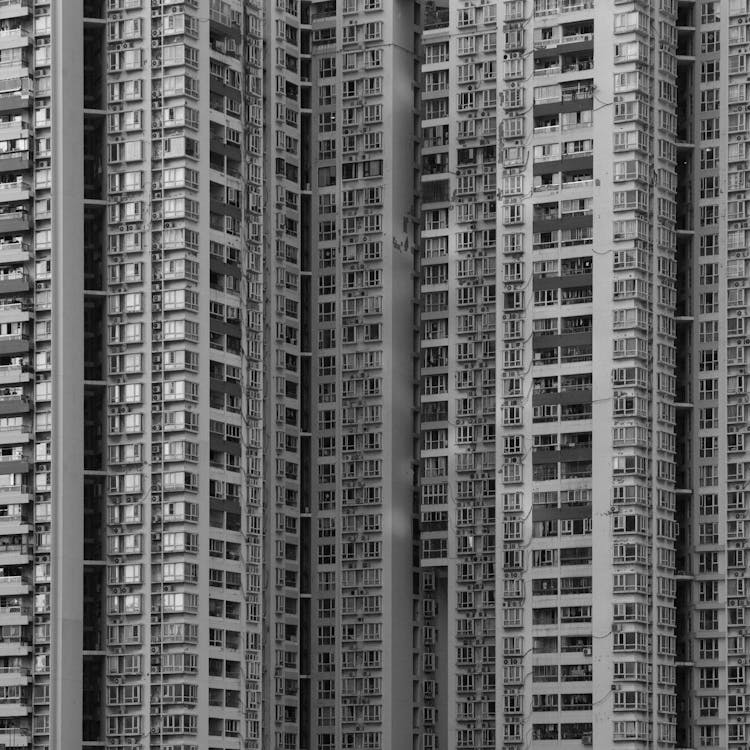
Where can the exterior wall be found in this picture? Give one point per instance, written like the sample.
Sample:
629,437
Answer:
208,418
458,367
66,448
599,265
712,242
363,242
199,267
183,375
590,418
620,515
287,337
340,261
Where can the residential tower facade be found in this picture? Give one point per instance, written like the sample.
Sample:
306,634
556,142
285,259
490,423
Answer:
373,376
210,403
618,493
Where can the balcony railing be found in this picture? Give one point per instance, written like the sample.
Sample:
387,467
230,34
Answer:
13,579
5,4
436,18
13,275
16,185
7,124
14,669
15,609
571,38
17,246
574,184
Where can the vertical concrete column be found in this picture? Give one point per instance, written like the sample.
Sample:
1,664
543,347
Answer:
67,374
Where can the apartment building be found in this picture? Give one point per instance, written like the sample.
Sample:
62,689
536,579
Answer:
132,495
582,537
214,247
458,334
341,94
208,409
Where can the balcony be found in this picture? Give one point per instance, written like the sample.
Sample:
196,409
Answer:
181,634
224,19
577,38
14,462
18,707
14,494
17,126
15,614
14,553
14,8
13,221
14,161
550,70
14,95
574,6
545,43
15,190
575,556
12,38
576,702
573,184
436,18
14,343
13,581
14,280
12,675
13,311
14,523
576,673
14,251
14,738
15,647
12,374
13,401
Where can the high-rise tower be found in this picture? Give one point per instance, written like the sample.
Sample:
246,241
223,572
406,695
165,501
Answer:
174,226
207,522
134,297
278,330
342,233
620,238
458,368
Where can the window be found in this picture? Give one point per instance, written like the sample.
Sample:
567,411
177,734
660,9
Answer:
709,100
709,360
709,12
436,53
709,187
709,41
708,389
466,45
708,619
709,245
709,302
708,679
709,215
709,71
373,114
374,31
327,67
710,128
